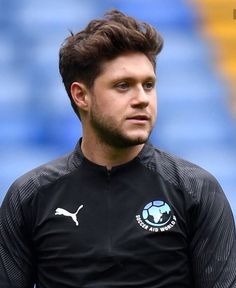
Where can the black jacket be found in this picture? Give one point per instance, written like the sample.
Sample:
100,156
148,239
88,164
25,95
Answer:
154,222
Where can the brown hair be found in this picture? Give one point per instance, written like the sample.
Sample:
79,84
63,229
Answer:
82,54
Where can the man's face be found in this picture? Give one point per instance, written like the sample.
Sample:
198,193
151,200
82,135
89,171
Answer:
123,101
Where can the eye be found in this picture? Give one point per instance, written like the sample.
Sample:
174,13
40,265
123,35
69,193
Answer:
122,86
149,85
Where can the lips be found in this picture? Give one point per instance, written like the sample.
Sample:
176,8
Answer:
139,117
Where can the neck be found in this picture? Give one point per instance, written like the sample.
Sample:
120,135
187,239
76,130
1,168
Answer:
106,155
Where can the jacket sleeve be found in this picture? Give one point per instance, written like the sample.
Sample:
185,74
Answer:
16,257
213,244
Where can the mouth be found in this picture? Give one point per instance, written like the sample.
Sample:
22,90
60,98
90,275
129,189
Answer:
139,118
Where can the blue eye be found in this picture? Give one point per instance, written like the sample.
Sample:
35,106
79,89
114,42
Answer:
122,86
148,85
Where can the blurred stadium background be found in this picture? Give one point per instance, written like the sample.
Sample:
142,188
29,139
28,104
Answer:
196,82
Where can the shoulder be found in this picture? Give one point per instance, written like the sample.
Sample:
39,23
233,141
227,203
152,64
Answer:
183,174
28,184
17,206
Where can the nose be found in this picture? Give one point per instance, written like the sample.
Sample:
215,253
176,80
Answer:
141,98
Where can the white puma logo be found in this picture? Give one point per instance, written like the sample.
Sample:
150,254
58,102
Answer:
61,211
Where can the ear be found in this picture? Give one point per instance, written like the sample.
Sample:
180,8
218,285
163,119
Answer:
79,93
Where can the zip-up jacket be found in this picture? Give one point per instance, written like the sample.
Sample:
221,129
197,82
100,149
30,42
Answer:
155,222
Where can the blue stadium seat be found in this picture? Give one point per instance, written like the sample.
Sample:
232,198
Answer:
35,113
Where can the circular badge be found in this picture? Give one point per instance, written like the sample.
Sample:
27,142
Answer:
156,216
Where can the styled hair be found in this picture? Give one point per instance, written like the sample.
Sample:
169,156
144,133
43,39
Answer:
82,54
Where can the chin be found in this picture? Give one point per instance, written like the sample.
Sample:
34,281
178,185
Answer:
122,138
128,141
139,137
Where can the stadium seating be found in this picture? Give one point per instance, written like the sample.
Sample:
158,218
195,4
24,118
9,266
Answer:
37,122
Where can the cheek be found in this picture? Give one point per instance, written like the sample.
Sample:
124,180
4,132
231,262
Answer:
153,105
106,109
116,107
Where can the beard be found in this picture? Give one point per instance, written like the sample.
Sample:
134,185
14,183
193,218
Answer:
111,134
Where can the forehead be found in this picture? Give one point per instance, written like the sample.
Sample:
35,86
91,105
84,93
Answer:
128,65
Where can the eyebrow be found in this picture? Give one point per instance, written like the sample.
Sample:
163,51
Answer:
133,79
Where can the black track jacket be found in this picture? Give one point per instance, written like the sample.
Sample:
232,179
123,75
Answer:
154,222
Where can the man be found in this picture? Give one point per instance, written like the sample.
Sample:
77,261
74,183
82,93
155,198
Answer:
116,212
